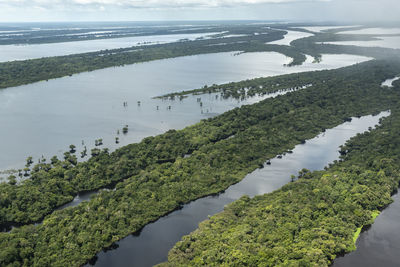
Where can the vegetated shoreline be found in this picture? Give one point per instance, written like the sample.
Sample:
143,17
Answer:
57,168
46,200
368,163
261,131
243,89
9,225
363,228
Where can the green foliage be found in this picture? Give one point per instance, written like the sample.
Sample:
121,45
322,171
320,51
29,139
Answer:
153,177
356,235
308,222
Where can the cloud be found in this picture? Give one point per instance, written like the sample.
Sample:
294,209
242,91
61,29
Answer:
147,3
291,10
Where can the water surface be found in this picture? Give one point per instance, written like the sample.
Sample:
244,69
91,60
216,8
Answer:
291,36
152,244
385,42
389,82
326,28
374,31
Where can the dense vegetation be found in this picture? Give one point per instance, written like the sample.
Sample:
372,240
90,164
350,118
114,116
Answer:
308,222
158,179
56,182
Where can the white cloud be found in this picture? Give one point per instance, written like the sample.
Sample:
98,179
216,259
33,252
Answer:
129,10
148,3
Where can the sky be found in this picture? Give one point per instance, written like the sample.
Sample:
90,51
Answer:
145,10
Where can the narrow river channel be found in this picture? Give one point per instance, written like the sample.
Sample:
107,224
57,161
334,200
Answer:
152,244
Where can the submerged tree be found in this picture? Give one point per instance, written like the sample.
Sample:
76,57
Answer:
72,149
95,152
125,129
84,152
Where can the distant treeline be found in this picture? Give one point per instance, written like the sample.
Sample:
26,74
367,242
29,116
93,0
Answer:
76,34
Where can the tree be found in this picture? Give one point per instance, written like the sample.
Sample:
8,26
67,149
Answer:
12,180
54,160
29,161
125,129
72,149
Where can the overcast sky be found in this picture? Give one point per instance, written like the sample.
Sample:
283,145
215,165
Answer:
138,10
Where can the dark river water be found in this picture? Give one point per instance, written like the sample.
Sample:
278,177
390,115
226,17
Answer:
152,244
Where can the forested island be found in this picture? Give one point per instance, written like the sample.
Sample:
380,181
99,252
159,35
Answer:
308,222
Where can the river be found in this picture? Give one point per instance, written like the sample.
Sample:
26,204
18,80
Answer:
290,37
152,244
